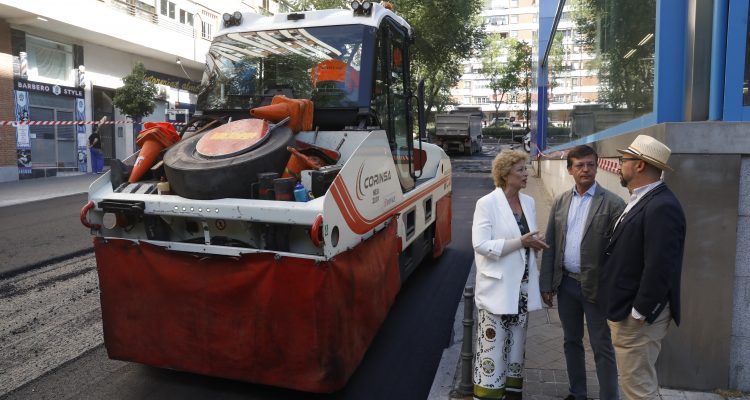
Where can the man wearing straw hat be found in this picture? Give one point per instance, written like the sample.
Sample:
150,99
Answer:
640,281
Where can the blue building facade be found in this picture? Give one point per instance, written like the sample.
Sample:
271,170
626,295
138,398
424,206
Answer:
677,70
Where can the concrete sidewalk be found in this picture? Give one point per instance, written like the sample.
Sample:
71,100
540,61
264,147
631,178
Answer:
546,375
27,190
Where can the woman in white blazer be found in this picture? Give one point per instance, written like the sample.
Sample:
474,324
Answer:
504,236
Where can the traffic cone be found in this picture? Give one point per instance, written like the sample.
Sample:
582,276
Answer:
300,112
156,137
298,162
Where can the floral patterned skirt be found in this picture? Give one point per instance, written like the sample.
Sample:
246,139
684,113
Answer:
500,350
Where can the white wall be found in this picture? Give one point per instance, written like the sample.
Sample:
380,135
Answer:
105,67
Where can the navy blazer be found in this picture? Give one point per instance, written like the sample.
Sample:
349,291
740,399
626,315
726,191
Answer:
643,260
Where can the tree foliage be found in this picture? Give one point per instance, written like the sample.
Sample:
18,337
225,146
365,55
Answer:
615,31
301,5
525,57
136,97
506,63
447,32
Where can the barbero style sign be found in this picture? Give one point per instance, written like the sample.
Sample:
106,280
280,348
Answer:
39,87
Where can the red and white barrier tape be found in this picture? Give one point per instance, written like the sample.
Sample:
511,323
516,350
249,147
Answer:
607,164
17,123
610,165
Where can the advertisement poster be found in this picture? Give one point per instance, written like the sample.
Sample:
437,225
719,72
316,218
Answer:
80,115
23,141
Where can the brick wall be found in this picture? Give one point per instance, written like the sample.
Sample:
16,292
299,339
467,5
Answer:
7,104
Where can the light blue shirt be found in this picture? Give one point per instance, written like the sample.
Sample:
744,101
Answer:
577,213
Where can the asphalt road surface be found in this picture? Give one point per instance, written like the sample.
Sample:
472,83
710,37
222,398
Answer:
50,342
40,232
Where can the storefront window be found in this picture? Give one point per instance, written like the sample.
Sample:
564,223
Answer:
49,62
601,72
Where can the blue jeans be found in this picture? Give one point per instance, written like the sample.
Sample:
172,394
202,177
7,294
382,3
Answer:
97,160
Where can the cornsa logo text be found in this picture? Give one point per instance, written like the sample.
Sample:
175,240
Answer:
370,181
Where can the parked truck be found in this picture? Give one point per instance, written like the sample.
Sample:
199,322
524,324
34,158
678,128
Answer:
207,263
459,131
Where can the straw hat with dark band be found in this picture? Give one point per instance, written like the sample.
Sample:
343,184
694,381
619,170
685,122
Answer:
649,150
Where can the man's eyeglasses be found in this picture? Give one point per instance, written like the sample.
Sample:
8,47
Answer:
624,159
582,165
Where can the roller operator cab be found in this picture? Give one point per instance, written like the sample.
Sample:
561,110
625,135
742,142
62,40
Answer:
208,264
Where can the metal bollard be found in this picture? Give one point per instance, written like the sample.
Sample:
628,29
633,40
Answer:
466,387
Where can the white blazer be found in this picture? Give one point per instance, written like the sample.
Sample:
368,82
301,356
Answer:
499,277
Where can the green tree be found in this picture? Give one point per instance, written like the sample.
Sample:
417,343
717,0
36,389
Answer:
136,97
504,65
301,5
524,56
447,32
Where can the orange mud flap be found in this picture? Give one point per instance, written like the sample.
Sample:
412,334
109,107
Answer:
285,322
443,219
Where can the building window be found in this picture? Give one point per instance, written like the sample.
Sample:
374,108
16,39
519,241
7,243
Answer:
206,30
208,20
481,84
514,19
48,61
514,34
167,9
186,17
496,4
514,3
481,100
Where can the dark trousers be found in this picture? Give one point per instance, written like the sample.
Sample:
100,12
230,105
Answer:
572,308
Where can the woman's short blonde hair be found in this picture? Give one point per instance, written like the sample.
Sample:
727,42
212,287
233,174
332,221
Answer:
502,164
